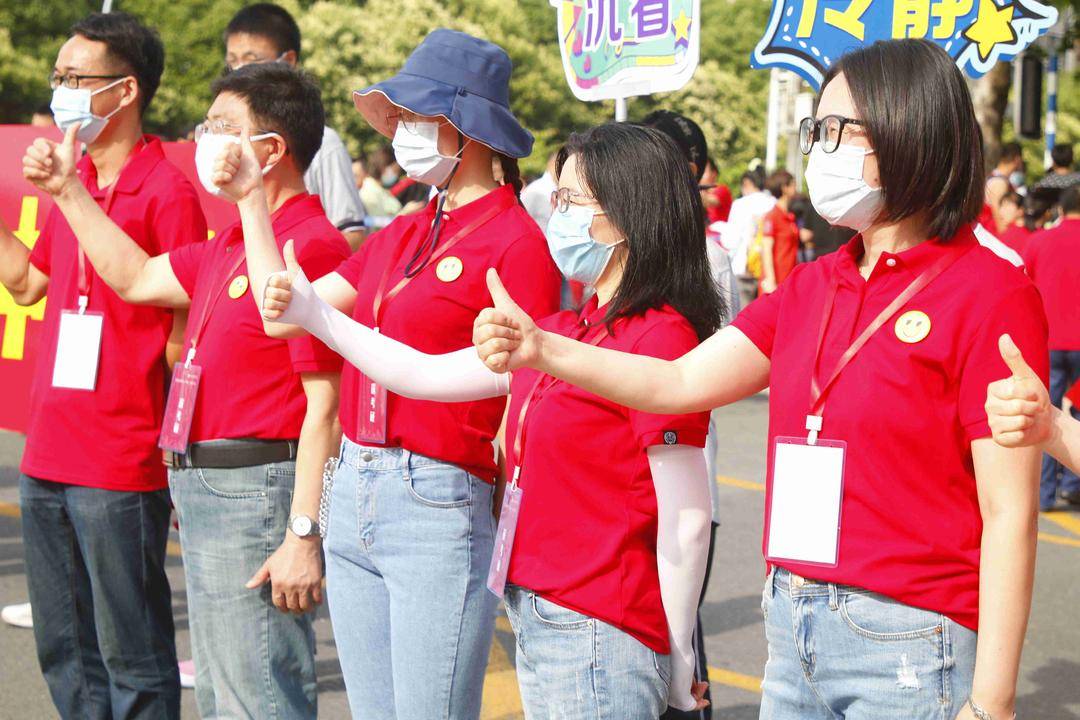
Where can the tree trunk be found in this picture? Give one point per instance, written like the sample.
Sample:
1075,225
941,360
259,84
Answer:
990,93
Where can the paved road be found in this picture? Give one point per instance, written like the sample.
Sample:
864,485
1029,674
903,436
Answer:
1050,682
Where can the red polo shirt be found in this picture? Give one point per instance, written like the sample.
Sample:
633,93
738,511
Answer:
780,225
250,385
587,483
1016,237
107,438
1052,258
910,522
436,316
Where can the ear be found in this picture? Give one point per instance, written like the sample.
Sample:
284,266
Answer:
289,56
277,149
131,90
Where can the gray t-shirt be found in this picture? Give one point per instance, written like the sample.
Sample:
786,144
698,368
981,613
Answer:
330,177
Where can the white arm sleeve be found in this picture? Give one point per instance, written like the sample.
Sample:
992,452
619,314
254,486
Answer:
453,377
682,552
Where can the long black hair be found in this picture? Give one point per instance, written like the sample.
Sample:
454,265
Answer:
641,180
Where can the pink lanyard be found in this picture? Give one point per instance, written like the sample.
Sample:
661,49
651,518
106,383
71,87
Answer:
211,301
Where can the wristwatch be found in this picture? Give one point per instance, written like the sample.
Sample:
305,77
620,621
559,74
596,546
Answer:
303,526
980,713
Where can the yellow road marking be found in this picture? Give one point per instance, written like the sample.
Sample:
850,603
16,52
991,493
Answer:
9,510
1059,540
735,679
1064,520
737,482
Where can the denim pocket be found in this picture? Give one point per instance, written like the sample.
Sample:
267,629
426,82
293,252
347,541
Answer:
880,618
558,617
234,483
662,663
440,486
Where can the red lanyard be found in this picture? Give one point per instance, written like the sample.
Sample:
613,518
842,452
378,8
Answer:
818,391
519,436
110,195
211,300
382,297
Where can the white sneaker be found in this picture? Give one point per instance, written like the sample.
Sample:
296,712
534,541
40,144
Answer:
18,615
187,673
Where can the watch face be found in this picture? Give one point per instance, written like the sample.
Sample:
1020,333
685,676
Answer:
301,525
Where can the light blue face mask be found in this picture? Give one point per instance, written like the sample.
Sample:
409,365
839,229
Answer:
577,255
72,105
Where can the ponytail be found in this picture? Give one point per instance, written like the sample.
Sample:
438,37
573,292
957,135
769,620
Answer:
511,173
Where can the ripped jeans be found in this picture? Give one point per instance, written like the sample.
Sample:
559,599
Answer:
837,651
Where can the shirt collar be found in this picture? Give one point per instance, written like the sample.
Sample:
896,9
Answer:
914,260
590,316
137,168
297,209
502,195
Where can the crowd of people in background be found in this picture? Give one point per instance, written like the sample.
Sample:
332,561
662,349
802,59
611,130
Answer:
356,417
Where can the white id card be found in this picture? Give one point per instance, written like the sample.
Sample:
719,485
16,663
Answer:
78,350
803,518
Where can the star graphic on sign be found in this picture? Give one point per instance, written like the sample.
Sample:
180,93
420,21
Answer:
682,27
993,26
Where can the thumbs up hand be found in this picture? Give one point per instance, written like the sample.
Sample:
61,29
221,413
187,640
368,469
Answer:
50,165
278,292
1018,408
506,338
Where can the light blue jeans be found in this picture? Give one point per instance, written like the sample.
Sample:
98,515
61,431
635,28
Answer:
843,652
409,540
574,667
251,660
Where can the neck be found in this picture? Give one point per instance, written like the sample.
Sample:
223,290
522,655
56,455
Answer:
608,284
783,203
280,186
473,179
112,148
891,238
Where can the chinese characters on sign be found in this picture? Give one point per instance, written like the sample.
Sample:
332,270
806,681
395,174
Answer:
808,35
619,48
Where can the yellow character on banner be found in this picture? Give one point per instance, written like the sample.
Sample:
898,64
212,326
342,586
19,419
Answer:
15,316
911,18
848,20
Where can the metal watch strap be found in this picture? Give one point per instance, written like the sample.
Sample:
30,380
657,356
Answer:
980,713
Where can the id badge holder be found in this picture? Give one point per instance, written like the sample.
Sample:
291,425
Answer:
371,420
180,406
806,497
78,348
504,537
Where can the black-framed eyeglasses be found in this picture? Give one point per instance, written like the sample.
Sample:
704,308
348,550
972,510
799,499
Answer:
72,80
828,131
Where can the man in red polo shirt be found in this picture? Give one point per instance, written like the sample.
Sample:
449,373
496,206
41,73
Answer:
779,233
1052,258
248,416
95,507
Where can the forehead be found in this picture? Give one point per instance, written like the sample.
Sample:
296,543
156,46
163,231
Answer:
80,53
242,45
231,108
570,176
836,99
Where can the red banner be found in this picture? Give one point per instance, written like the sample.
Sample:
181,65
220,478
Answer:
24,209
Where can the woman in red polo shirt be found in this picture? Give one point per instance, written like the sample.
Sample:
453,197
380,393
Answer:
409,528
896,528
780,233
607,632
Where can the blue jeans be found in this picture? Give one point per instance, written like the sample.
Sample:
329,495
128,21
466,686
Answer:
1064,372
102,608
251,660
574,667
843,652
409,540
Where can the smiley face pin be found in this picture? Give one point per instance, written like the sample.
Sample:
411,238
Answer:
449,269
912,327
238,287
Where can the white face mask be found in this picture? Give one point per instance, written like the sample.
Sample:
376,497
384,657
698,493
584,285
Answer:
417,152
71,106
837,189
207,151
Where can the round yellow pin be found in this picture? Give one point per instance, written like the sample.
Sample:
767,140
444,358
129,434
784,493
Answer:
449,269
238,287
913,326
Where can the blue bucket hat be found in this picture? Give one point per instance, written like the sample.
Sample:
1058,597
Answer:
462,78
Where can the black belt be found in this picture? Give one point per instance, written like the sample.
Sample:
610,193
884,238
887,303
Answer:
232,454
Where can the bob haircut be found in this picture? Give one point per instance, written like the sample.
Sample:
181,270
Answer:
640,178
927,141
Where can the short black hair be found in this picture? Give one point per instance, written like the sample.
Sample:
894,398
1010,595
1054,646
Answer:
1069,201
269,21
777,181
1062,155
642,181
43,109
756,178
1011,151
686,133
926,139
130,44
281,99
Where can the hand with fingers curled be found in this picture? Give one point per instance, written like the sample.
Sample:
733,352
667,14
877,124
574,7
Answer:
1018,408
237,171
50,166
278,292
506,338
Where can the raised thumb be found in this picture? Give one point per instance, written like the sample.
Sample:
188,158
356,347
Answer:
501,298
1013,358
289,254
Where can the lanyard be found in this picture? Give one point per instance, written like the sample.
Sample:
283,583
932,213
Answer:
519,436
211,300
818,391
110,195
382,296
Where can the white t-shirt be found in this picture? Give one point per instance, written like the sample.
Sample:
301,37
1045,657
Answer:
330,176
742,226
536,198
